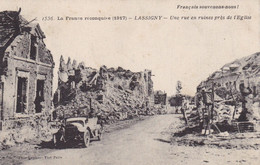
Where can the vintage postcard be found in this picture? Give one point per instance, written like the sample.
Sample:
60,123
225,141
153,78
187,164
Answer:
129,82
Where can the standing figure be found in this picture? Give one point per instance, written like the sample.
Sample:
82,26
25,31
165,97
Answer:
246,101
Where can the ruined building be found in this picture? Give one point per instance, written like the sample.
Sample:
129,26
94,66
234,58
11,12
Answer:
26,68
237,86
245,70
160,97
113,93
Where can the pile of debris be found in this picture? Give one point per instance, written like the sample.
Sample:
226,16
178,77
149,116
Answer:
113,94
160,101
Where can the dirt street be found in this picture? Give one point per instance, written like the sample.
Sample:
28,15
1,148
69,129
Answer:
146,142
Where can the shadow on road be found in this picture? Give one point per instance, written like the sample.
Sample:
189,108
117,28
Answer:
68,145
163,140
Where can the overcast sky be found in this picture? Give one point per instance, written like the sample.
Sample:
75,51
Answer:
188,51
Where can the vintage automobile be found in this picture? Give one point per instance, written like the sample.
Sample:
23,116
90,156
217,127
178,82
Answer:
78,128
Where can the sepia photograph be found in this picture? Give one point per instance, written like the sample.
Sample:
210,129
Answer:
128,82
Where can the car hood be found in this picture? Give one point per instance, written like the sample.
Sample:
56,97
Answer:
79,126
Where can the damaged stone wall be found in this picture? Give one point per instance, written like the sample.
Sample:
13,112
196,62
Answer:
44,55
30,129
114,94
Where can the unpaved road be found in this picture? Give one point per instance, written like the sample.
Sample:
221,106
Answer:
146,143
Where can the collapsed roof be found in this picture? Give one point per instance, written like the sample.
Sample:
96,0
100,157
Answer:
249,66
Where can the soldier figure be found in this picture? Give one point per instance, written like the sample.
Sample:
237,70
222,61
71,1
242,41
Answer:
245,93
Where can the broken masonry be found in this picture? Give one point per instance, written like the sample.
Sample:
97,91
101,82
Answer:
231,94
112,93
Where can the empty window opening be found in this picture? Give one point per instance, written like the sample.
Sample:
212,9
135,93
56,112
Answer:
33,48
21,95
39,96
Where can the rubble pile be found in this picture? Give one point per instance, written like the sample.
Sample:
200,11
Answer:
113,94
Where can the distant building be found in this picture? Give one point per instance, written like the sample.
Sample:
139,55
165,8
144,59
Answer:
160,97
26,68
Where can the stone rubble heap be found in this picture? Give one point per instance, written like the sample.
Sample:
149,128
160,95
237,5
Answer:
113,94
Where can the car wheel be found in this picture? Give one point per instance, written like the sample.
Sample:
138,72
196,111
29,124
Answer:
86,138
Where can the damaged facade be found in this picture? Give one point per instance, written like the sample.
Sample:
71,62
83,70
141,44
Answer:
26,68
112,93
245,70
232,92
